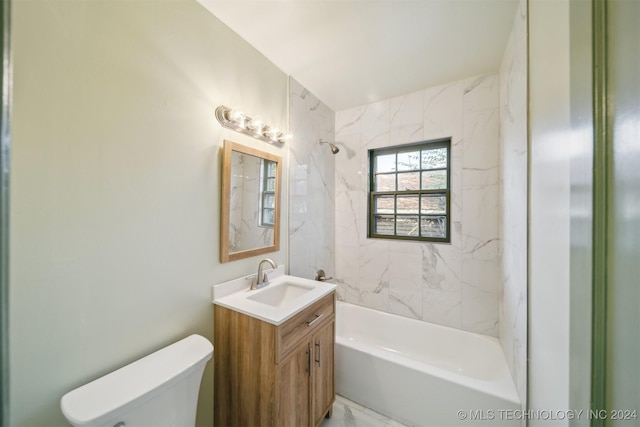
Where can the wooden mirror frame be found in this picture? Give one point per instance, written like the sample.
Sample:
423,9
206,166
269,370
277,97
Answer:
225,254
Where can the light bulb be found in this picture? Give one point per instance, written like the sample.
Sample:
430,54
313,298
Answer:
256,125
237,117
272,133
284,137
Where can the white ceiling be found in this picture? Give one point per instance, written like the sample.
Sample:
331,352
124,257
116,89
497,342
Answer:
352,52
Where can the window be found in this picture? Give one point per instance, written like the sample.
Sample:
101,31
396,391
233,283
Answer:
409,195
267,193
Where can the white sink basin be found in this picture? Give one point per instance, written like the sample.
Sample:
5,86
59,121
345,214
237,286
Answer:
280,294
284,297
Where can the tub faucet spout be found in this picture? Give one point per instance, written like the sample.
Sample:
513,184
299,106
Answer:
262,279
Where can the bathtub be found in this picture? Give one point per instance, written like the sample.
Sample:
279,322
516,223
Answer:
422,374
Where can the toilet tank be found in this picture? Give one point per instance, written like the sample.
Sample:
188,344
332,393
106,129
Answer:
158,390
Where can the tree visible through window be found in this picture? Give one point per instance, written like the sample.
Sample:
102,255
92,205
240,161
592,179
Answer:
409,194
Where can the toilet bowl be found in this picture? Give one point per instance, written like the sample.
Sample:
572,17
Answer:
158,390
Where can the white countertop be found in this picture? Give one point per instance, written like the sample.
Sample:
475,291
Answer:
235,296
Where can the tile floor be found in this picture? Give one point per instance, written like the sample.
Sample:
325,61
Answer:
349,414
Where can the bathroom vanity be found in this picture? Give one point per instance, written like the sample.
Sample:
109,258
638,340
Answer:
274,362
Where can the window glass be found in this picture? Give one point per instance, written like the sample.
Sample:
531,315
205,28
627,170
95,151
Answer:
409,191
267,193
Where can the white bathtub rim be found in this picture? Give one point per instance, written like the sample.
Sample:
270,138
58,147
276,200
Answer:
502,387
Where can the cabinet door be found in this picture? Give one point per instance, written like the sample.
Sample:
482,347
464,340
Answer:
323,372
294,382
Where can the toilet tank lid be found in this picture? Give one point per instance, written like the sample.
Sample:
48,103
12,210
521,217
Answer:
113,391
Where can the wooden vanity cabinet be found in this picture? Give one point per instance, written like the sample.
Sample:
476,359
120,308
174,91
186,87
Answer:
267,375
323,394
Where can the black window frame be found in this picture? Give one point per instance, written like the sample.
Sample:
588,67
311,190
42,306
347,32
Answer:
398,149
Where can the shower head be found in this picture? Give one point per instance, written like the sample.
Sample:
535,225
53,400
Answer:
334,148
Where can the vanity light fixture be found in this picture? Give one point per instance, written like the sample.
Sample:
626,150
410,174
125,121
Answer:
240,122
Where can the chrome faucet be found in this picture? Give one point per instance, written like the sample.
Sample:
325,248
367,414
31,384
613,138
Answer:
261,279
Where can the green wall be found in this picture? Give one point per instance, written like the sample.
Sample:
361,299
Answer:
116,186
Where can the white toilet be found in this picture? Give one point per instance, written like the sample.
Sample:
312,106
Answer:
160,389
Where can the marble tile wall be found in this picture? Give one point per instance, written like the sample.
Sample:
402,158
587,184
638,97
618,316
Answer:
512,315
311,183
454,284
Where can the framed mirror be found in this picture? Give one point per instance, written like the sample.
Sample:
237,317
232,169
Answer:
250,217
